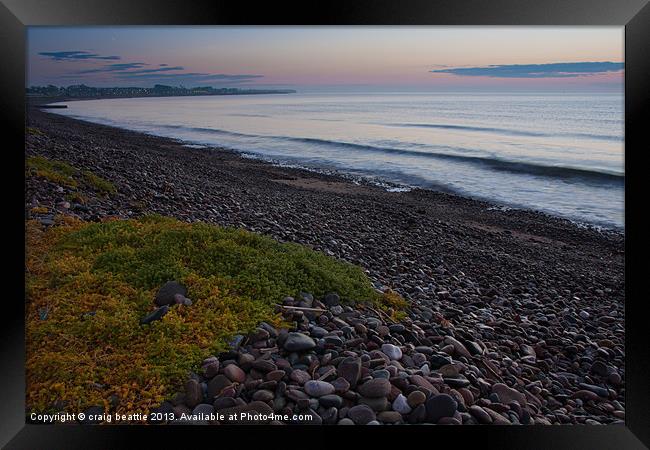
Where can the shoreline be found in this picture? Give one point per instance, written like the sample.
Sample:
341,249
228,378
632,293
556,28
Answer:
369,179
525,286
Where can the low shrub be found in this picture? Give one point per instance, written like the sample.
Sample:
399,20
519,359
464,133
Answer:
89,284
64,174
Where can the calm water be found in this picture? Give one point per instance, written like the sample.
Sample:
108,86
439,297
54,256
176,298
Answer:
561,154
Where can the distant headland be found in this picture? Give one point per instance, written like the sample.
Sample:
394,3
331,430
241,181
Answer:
79,91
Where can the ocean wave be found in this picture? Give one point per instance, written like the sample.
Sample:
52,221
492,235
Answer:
498,164
508,131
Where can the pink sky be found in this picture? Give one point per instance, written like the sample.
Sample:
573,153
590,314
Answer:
319,56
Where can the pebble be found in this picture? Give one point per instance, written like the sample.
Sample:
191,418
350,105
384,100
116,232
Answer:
416,398
361,414
392,351
350,370
166,293
317,388
507,394
234,373
156,315
298,342
401,405
439,406
377,387
193,393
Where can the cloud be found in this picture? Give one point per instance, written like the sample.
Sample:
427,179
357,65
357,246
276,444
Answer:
76,55
191,77
135,71
114,68
160,69
552,70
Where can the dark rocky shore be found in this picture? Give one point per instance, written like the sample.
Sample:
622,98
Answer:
516,317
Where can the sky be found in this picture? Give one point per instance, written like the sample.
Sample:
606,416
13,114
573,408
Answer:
330,58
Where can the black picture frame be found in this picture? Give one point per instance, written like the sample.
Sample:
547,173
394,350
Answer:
16,15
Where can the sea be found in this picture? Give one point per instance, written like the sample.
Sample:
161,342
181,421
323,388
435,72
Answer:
558,153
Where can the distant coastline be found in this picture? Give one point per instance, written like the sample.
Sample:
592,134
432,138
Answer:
39,95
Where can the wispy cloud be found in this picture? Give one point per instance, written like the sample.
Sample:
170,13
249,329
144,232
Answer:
114,68
126,68
552,70
160,69
188,77
76,55
139,73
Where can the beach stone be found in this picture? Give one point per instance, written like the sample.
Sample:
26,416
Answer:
361,414
330,401
458,347
422,382
480,414
193,393
166,293
263,395
156,315
224,402
389,417
381,373
341,385
439,406
585,395
217,384
264,365
318,332
236,342
234,373
299,376
601,392
345,421
377,387
211,369
450,370
333,340
614,378
392,351
418,415
317,388
376,403
507,394
298,342
275,375
400,404
332,300
416,398
599,368
350,370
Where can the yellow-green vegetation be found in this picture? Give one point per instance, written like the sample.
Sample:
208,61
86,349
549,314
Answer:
98,182
64,174
393,304
76,197
56,171
89,284
39,210
34,131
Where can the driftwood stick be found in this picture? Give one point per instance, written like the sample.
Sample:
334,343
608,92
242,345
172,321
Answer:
300,308
381,314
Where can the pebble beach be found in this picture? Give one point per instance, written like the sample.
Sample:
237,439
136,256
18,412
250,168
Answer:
514,317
